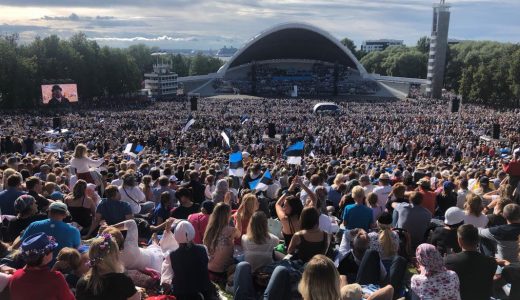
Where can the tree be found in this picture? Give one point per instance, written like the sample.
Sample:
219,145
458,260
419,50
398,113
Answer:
423,45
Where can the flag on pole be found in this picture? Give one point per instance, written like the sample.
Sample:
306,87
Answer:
226,137
188,124
236,166
264,182
244,119
294,153
133,149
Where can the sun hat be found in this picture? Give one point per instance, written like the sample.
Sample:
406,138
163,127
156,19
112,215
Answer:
454,215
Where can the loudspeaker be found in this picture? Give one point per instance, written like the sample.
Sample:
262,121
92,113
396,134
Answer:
193,101
56,123
496,131
271,130
455,105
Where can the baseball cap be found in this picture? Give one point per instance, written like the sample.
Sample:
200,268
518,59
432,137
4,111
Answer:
448,185
59,207
454,215
184,232
173,178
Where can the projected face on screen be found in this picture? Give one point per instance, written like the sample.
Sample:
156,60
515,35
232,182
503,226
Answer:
59,94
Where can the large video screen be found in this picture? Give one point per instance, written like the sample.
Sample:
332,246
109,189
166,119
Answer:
59,93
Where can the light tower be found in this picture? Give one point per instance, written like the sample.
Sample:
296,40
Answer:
438,47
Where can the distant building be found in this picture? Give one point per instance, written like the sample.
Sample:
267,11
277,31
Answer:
226,52
162,82
379,45
438,47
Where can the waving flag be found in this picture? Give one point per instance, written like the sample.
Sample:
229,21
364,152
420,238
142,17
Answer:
294,153
190,122
133,149
264,182
236,166
226,135
244,119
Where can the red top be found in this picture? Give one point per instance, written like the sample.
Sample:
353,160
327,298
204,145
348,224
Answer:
42,284
199,222
513,168
429,200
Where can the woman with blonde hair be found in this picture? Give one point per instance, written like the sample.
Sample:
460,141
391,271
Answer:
320,280
83,164
218,238
258,243
246,209
105,279
473,209
385,241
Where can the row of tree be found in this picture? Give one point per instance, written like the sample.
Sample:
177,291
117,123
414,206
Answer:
98,71
481,72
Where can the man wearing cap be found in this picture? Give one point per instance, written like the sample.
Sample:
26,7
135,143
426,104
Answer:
383,190
36,280
65,234
475,270
445,237
57,96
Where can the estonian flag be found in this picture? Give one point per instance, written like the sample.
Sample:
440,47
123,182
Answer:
294,153
133,149
263,183
244,119
190,122
236,166
225,135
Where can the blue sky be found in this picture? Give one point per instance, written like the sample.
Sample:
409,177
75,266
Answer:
204,24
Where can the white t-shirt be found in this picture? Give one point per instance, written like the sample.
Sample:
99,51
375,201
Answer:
382,193
325,224
83,165
136,258
133,196
259,255
479,222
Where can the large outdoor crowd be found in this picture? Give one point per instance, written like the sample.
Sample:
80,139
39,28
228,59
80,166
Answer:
393,199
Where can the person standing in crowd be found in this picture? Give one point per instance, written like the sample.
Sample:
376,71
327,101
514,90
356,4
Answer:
83,164
383,189
36,280
475,270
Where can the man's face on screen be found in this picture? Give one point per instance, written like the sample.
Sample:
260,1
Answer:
56,93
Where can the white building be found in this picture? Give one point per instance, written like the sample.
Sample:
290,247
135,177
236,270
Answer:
379,45
161,82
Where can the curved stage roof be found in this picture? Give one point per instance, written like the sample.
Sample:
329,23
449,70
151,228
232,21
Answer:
294,41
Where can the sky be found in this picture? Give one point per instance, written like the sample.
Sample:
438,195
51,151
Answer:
205,24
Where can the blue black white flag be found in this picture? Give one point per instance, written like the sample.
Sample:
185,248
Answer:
133,149
264,182
188,124
236,166
295,153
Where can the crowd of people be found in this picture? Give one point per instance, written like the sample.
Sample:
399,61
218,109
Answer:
393,199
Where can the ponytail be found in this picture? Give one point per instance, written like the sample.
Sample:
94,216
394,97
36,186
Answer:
385,239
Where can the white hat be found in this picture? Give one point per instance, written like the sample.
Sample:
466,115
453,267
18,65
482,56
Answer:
454,215
184,232
384,176
445,173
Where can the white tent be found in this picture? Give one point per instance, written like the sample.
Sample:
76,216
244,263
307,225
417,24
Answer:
326,106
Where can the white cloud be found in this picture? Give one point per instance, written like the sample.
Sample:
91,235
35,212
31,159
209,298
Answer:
144,39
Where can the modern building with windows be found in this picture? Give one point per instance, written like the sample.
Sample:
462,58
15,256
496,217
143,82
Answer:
379,45
162,82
